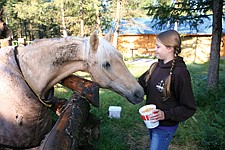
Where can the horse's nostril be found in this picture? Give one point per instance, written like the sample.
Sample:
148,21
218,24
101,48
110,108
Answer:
139,93
136,97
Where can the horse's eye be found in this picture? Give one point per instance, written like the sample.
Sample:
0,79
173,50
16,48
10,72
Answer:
106,65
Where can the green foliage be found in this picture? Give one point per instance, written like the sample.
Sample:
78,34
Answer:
2,2
214,133
184,12
133,9
33,19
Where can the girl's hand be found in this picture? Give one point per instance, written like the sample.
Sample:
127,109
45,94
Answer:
157,115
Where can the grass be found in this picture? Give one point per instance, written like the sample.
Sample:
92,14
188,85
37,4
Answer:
129,132
122,133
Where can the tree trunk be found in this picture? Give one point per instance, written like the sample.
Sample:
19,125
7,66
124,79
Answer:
213,74
31,32
63,20
98,20
40,31
116,33
82,19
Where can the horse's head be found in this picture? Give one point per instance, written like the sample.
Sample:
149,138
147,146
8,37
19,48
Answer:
46,62
108,69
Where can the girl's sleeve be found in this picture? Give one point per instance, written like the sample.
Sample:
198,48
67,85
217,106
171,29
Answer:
142,82
183,92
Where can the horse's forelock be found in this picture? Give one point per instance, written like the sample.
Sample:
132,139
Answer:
101,52
106,51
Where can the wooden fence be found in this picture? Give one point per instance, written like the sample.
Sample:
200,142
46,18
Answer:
195,48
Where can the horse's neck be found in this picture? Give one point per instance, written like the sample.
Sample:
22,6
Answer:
45,63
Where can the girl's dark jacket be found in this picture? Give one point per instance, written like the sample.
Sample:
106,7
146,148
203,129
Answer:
181,104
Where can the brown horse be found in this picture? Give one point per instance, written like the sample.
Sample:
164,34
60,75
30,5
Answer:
29,75
5,32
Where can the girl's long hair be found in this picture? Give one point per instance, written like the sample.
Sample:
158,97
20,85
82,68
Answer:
169,38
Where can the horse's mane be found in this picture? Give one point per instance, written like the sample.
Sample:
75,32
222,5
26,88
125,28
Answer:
44,40
103,54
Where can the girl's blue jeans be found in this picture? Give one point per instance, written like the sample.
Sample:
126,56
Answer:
160,139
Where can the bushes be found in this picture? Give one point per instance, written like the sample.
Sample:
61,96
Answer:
214,126
214,131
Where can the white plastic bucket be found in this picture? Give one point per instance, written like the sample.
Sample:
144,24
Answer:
114,111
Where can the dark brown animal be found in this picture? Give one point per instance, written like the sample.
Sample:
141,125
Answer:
5,32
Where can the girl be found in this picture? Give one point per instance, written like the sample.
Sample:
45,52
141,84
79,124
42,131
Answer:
167,84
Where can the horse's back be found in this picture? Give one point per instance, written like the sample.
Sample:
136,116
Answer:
24,120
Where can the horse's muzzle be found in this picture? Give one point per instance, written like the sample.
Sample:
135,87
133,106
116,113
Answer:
137,97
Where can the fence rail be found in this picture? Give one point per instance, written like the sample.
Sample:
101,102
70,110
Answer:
7,42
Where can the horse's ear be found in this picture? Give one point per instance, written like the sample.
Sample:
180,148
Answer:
94,41
108,36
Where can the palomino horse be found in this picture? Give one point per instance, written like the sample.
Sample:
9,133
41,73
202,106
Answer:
28,76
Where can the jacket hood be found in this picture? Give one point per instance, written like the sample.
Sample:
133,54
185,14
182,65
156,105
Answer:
178,63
